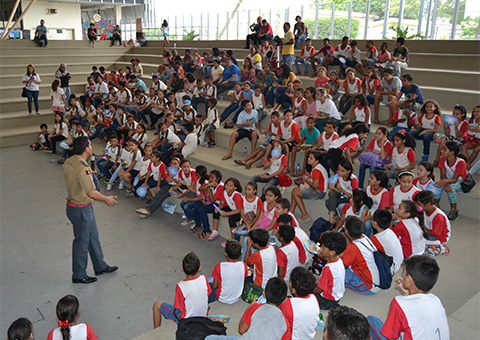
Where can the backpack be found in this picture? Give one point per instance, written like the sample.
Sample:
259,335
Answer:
384,265
319,226
198,328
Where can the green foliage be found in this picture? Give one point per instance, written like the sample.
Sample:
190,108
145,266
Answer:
189,35
340,28
377,7
403,33
469,28
446,9
411,9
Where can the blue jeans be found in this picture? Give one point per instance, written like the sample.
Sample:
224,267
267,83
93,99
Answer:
67,94
142,115
299,39
270,100
190,209
361,173
32,95
287,59
427,139
396,129
203,212
43,40
198,100
301,61
228,111
279,94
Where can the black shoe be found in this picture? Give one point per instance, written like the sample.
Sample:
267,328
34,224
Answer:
108,269
86,279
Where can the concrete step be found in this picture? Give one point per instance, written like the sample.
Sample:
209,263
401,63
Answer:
61,50
98,59
18,103
49,67
13,79
465,62
76,87
445,78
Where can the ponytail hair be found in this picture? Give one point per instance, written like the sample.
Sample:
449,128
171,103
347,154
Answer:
20,329
360,197
429,167
407,137
414,211
55,85
67,312
381,176
323,93
202,174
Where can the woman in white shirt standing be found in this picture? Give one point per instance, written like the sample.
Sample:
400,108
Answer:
58,97
31,80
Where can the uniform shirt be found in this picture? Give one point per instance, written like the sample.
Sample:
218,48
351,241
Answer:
78,180
319,173
311,137
422,186
389,243
353,87
123,95
274,130
371,53
81,331
361,115
216,72
137,158
458,168
234,201
411,237
288,258
253,206
373,84
400,115
157,171
332,280
265,322
329,108
192,177
397,195
343,142
327,141
289,131
144,164
270,214
359,258
307,53
61,126
170,136
191,296
112,152
142,138
297,105
265,263
190,146
302,316
341,52
356,54
57,97
349,185
374,145
380,199
416,317
231,276
429,123
212,115
439,224
277,163
403,159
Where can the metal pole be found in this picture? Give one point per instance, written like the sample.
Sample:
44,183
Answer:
478,30
228,22
218,23
201,26
20,18
332,22
434,19
455,20
301,12
10,18
287,14
367,19
248,20
238,24
429,13
270,18
402,9
385,20
208,26
420,16
176,25
316,21
191,23
349,18
183,23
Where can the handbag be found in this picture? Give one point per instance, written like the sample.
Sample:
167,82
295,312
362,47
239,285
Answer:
468,184
24,92
372,159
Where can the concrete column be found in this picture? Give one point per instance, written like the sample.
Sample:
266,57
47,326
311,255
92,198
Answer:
117,11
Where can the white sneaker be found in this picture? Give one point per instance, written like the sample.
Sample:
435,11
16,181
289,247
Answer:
142,211
109,187
121,186
186,222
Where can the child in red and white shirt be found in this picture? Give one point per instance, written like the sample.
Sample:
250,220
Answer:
360,111
377,190
264,260
228,277
306,53
231,203
425,175
404,191
301,310
346,143
437,226
402,156
287,255
331,285
410,228
358,206
290,131
191,295
427,125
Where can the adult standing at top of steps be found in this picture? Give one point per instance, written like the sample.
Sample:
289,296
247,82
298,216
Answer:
31,80
81,192
288,42
64,76
230,76
41,34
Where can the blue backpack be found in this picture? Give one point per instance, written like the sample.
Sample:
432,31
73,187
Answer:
384,265
319,226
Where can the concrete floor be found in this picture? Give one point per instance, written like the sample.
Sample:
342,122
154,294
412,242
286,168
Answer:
35,261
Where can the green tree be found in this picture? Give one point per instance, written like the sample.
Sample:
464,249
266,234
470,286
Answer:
411,9
469,28
446,9
339,30
189,35
377,7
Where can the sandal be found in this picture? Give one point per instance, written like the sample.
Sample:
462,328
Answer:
239,162
203,235
259,166
194,229
224,158
248,166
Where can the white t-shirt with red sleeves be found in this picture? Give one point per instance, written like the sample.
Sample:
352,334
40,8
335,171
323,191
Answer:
404,158
359,258
302,315
82,331
307,53
327,142
274,130
277,163
397,195
265,263
234,201
157,171
380,200
421,185
353,87
411,237
374,145
254,205
458,168
342,52
289,131
373,84
429,123
288,258
343,142
319,173
332,280
348,185
218,192
462,128
439,224
399,115
361,115
231,276
192,177
191,297
416,317
297,105
389,243
347,210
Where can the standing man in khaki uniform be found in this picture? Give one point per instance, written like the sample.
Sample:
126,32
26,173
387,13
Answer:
81,193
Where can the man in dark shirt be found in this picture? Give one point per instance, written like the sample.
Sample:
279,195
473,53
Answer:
399,57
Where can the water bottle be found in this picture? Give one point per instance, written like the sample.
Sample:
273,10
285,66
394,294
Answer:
52,161
221,98
174,45
298,168
321,322
106,153
92,162
245,152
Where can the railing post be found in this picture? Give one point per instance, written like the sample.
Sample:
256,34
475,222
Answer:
478,30
208,26
455,20
201,26
427,29
301,12
238,24
434,19
316,21
176,25
349,18
218,23
402,10
228,23
332,22
385,20
420,17
367,19
248,21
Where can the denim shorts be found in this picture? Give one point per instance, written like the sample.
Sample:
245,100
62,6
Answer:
312,194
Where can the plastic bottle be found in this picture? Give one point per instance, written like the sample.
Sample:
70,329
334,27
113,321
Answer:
245,152
92,162
321,322
52,161
298,168
174,45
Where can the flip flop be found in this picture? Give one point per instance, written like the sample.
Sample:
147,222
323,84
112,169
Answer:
224,158
194,229
203,235
239,162
248,166
259,166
